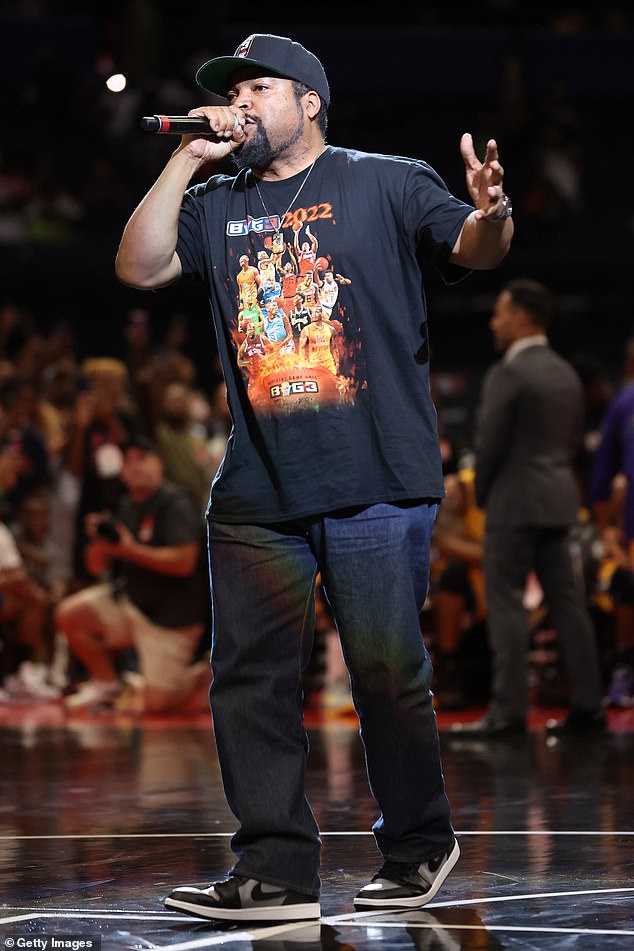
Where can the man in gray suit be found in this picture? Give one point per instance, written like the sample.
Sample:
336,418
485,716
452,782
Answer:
528,432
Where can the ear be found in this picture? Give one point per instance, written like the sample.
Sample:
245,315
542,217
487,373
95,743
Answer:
312,103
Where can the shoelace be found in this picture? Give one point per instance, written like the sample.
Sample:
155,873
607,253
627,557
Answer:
400,872
404,873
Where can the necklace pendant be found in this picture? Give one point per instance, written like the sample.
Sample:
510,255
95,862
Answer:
277,238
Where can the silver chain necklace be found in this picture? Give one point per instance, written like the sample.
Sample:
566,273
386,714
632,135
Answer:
277,233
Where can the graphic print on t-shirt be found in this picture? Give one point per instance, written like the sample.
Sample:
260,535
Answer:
293,332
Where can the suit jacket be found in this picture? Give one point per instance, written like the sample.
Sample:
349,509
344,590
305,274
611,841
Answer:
528,431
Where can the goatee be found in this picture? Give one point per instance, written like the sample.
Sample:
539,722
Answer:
257,152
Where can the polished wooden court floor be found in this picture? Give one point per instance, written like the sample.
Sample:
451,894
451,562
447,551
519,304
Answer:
101,816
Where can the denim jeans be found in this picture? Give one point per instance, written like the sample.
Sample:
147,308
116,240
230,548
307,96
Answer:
374,568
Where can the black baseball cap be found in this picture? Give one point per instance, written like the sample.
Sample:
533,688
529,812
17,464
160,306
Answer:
278,55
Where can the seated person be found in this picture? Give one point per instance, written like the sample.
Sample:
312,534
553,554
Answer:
24,611
25,638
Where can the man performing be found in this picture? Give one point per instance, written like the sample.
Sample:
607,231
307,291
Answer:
344,488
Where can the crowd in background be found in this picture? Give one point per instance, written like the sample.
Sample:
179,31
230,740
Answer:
64,423
63,418
80,370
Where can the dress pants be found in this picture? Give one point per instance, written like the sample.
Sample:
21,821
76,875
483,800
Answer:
510,553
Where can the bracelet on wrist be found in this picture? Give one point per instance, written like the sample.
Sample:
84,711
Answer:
506,210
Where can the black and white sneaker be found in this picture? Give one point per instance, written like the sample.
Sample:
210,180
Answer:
243,899
406,884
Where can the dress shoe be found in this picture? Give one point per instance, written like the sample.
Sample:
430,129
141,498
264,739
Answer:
489,727
577,722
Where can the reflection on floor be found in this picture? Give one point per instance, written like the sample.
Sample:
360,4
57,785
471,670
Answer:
100,817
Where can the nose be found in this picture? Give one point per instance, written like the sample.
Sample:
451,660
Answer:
243,98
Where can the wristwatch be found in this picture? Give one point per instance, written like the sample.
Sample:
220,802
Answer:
505,211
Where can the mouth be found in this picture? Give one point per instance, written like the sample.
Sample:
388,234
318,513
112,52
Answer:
250,121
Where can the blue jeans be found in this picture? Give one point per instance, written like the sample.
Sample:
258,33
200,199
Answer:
374,568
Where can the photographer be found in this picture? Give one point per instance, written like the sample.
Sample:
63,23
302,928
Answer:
154,598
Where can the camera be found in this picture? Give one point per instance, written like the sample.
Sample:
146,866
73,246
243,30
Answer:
107,529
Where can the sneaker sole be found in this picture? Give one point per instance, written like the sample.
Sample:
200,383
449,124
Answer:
416,901
282,913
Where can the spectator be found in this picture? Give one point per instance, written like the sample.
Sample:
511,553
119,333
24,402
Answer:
183,451
40,554
24,614
57,403
35,411
458,598
49,569
151,594
598,392
614,460
25,441
104,420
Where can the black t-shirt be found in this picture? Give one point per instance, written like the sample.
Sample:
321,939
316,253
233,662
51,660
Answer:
168,518
342,415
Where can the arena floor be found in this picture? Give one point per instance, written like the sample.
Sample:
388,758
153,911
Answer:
101,816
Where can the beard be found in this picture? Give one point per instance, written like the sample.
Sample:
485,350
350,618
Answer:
258,153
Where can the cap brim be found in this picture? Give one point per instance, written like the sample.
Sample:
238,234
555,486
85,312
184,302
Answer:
215,76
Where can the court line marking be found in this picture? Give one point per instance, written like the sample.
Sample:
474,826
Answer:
341,919
227,835
447,926
118,912
276,931
487,900
82,913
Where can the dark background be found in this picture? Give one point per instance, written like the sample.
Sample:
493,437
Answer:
552,82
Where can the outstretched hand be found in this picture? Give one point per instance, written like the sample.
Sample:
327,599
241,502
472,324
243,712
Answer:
485,180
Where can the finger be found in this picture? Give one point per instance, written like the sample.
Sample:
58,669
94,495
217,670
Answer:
468,152
491,152
223,123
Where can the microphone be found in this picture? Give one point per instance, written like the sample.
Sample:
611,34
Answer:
180,125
